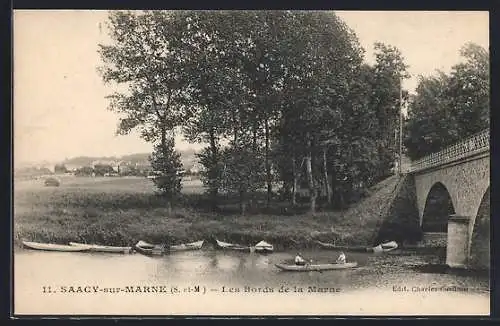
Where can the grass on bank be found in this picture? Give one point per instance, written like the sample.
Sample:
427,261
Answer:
122,211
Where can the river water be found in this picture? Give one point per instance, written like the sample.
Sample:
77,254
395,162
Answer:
209,282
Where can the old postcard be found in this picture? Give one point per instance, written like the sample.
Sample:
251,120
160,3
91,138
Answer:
251,163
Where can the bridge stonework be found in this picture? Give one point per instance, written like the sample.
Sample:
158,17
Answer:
464,170
466,183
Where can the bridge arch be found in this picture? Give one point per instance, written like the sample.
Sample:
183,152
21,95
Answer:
464,170
479,256
438,207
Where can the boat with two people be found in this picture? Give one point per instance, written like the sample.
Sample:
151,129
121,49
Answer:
303,265
310,267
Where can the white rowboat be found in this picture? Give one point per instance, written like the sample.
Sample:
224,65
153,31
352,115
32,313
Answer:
230,246
264,247
99,248
53,247
187,246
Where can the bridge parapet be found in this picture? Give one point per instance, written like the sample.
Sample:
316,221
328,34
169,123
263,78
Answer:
472,145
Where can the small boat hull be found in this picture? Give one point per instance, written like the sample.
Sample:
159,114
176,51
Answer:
385,247
331,246
264,248
148,249
53,247
316,267
187,246
230,246
106,249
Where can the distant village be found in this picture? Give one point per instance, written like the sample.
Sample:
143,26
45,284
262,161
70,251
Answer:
83,166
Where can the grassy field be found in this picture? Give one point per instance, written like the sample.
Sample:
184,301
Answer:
121,211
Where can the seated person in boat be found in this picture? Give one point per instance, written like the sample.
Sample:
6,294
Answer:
341,258
299,260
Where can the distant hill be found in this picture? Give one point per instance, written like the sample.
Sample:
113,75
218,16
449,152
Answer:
188,158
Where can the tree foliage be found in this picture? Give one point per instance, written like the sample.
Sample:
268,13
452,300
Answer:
450,107
273,94
167,165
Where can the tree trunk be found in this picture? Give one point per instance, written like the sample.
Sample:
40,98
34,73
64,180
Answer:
214,188
332,188
163,138
268,167
327,180
254,137
243,203
235,127
294,186
310,179
169,208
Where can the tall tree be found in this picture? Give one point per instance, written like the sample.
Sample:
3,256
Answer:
325,57
146,57
166,161
215,95
449,107
389,72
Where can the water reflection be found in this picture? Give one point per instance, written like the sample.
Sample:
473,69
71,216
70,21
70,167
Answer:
214,269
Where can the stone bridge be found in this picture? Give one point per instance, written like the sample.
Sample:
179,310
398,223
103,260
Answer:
460,174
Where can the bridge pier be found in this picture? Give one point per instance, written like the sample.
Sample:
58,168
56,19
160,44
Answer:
457,250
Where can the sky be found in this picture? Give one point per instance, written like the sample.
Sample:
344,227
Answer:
60,109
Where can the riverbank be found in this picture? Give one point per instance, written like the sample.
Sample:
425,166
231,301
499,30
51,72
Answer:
121,211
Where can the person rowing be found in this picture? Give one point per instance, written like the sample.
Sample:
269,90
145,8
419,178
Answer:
341,259
299,260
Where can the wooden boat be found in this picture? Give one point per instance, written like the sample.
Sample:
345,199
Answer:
331,246
187,246
53,247
315,267
385,247
99,248
149,249
391,245
230,246
264,247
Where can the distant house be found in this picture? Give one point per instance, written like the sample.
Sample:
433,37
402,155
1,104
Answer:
73,167
111,163
144,167
49,167
123,166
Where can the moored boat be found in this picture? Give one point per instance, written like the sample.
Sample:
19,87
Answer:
331,246
391,245
315,267
53,247
149,249
99,248
187,246
385,247
231,246
264,247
